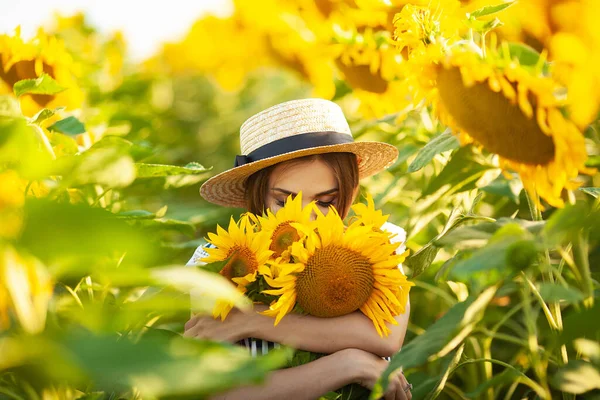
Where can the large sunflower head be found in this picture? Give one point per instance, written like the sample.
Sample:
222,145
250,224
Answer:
339,270
43,54
279,227
245,250
486,96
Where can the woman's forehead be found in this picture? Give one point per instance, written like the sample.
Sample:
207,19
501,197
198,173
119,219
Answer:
311,178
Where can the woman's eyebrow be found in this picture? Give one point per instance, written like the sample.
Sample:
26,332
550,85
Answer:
287,192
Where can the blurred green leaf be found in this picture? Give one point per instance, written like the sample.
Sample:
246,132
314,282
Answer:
477,235
565,224
509,188
9,107
61,231
44,114
439,144
142,214
577,377
157,170
488,10
505,377
107,166
68,126
443,336
526,55
580,323
156,367
460,174
45,84
552,293
158,225
594,191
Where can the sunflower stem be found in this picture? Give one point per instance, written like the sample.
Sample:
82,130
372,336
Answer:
580,257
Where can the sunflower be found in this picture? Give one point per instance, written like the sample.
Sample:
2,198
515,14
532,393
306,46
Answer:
245,250
366,214
340,270
28,60
488,98
279,226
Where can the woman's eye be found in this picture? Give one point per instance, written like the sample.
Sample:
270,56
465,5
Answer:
279,203
324,204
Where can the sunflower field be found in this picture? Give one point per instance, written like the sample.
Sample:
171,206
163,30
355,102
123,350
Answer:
494,108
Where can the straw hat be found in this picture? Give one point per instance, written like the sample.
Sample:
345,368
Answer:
290,130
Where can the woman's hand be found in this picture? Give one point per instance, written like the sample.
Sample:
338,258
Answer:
234,328
368,369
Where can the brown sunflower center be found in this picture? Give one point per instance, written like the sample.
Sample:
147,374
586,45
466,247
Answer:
336,281
283,237
26,70
492,120
242,262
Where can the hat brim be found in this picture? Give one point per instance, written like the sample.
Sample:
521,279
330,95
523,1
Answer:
227,188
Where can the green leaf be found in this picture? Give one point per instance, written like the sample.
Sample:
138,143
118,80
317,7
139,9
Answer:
185,228
583,323
508,376
80,232
439,144
68,126
45,84
159,170
509,188
9,107
156,366
526,55
422,259
142,214
441,338
488,10
460,174
577,377
44,114
475,236
594,191
553,293
567,223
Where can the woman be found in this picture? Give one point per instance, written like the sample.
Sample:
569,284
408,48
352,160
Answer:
304,146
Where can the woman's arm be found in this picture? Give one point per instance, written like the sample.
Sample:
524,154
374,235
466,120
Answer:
305,332
326,374
308,381
328,335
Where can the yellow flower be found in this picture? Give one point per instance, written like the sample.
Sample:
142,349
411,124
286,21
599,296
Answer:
516,115
247,251
278,227
487,97
366,214
341,270
25,290
28,60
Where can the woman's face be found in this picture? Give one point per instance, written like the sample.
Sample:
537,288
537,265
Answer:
313,178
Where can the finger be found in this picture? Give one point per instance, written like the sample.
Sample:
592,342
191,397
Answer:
393,388
404,388
191,322
194,331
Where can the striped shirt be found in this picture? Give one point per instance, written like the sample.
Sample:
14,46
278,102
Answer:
258,347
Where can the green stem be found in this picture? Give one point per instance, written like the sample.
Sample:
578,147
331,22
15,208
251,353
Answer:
580,257
541,391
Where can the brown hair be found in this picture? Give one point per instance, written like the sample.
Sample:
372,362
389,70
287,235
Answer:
343,165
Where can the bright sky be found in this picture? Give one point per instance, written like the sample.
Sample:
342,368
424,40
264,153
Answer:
145,24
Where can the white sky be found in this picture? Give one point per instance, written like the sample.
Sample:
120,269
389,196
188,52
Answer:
145,24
